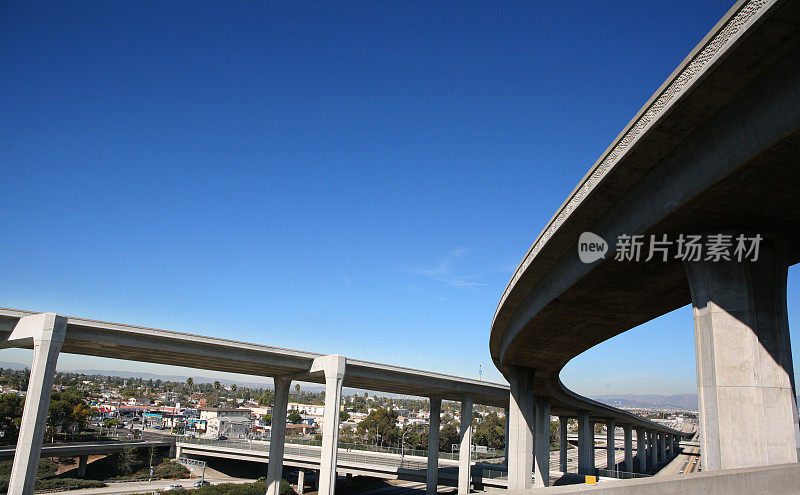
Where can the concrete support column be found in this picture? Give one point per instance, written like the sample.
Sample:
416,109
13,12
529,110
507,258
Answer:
641,449
745,376
433,446
628,448
465,449
82,462
521,426
662,447
333,367
46,333
611,451
301,481
585,444
651,446
541,442
593,450
277,435
506,412
563,444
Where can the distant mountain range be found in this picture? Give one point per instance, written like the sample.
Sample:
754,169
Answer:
678,401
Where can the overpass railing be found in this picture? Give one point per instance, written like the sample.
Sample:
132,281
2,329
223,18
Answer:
491,453
311,453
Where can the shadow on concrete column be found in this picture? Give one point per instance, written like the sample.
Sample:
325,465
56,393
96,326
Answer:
745,375
46,334
541,442
432,478
641,449
466,446
611,451
585,444
277,435
563,444
628,432
521,420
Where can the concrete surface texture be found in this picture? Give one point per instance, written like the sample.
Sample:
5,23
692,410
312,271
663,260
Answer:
782,479
744,365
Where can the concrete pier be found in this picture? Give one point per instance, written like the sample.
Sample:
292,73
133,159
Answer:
277,436
333,367
541,442
432,480
628,432
641,449
745,375
521,426
563,444
611,453
46,332
465,449
585,445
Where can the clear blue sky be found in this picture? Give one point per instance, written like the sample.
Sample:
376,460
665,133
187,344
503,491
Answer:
358,178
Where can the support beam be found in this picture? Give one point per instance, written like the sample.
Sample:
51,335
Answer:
745,375
521,426
277,435
333,367
611,451
466,446
563,444
82,462
541,442
628,431
585,445
301,481
641,449
662,447
432,481
46,332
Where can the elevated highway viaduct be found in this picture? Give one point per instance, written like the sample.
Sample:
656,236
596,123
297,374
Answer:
48,334
711,157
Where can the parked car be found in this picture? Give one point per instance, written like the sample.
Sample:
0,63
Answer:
199,483
222,437
174,487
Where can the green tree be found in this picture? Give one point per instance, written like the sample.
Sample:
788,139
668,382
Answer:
448,435
380,427
189,383
10,415
344,416
491,431
128,459
294,417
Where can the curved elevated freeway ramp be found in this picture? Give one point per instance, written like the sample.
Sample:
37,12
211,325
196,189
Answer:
714,153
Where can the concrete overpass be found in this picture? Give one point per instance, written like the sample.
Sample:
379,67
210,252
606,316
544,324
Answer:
714,151
82,450
49,334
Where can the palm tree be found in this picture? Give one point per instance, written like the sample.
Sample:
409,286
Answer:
297,388
189,383
216,385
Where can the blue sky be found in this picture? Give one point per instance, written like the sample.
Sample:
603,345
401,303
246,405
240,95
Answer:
357,178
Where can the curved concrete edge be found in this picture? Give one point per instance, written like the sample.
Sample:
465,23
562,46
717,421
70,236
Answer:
775,480
706,55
